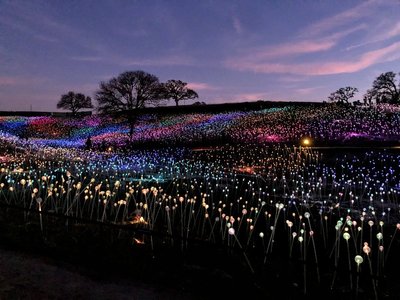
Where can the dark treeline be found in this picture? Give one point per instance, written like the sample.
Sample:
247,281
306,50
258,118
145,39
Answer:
42,113
209,108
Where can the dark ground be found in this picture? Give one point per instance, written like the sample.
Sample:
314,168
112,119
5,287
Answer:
96,262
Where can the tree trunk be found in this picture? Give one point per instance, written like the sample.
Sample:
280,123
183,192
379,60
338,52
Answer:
132,121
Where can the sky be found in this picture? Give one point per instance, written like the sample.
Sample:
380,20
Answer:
226,50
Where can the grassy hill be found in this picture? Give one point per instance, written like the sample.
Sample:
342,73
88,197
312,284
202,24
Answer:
259,122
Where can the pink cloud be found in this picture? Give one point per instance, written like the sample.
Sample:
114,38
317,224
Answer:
386,32
304,46
240,97
395,31
200,86
251,96
370,58
259,58
307,91
12,80
301,47
235,97
362,10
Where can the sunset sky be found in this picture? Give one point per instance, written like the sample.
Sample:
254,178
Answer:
228,51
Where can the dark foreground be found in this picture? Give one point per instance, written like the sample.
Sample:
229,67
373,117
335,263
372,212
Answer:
83,258
89,262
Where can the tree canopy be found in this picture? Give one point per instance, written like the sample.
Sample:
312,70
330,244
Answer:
178,91
343,95
74,102
384,90
129,91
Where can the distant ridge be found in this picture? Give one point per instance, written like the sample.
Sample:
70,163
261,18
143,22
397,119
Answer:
42,113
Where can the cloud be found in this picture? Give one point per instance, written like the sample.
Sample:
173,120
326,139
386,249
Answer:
239,97
13,80
301,56
364,61
351,15
386,32
267,56
300,47
395,31
26,29
39,24
251,96
201,86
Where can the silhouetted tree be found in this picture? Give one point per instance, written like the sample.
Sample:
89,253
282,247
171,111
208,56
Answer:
74,102
343,95
384,89
368,97
178,91
128,93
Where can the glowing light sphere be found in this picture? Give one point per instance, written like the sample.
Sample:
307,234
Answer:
366,248
306,142
358,259
346,236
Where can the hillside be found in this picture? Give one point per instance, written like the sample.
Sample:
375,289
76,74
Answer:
284,123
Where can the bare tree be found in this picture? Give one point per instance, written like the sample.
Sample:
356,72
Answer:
368,97
128,93
343,95
384,89
178,91
74,102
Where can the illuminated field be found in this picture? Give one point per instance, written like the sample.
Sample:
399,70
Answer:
320,210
